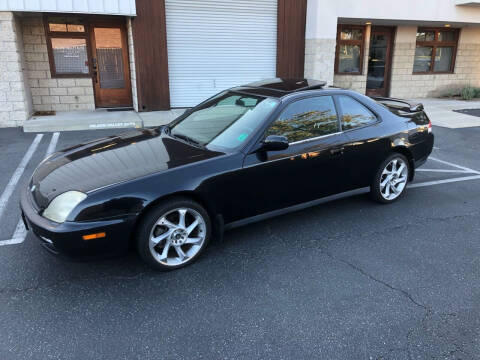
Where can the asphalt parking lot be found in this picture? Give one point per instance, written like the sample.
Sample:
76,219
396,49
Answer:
350,279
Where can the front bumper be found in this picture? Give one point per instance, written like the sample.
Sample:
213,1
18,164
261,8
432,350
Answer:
66,238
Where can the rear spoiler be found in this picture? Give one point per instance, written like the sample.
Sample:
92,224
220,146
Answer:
399,104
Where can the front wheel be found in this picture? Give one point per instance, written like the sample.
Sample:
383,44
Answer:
173,234
391,179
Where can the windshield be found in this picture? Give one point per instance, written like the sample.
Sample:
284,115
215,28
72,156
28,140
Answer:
225,121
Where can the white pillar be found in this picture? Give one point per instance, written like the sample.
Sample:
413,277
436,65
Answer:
320,41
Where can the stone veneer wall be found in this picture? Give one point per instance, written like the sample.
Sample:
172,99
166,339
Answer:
356,82
15,101
131,56
63,94
405,84
320,59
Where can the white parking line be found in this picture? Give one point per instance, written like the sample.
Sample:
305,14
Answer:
444,171
18,236
8,191
53,144
20,231
455,165
431,183
463,170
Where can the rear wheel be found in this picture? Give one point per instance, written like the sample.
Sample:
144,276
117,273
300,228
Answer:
173,234
391,179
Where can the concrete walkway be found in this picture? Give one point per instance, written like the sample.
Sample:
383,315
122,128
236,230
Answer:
440,112
99,119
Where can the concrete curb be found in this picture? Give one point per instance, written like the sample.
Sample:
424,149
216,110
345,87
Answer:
99,119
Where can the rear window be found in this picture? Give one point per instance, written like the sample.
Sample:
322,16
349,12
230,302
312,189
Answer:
354,114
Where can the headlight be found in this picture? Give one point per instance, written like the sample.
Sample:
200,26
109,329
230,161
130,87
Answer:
60,207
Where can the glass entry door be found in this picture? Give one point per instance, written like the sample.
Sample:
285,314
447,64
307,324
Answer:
111,74
379,61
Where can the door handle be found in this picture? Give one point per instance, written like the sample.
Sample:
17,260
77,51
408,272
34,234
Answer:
337,151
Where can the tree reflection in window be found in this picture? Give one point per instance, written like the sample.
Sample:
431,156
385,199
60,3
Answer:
354,114
307,118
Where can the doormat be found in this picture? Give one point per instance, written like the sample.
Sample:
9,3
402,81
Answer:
43,113
472,112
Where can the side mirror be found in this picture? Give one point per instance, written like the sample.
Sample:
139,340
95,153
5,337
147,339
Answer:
275,143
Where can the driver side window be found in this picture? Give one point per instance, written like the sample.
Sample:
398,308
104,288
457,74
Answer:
306,118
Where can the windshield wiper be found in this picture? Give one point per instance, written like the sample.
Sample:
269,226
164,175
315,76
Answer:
187,139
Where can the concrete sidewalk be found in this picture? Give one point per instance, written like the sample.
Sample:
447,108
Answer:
440,112
99,119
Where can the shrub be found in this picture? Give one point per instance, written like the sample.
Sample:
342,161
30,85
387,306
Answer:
468,93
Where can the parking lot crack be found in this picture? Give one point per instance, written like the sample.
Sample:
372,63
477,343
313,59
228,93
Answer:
68,281
405,293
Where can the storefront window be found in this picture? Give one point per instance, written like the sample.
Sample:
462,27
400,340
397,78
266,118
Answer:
70,55
349,54
67,47
435,51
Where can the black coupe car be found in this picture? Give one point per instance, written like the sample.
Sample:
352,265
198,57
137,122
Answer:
248,153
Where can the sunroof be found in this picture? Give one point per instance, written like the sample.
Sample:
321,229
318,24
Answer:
288,85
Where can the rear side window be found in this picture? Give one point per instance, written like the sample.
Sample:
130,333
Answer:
354,114
306,118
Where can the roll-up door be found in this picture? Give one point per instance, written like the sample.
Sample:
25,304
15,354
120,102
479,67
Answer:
213,45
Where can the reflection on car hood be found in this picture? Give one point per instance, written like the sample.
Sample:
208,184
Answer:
107,161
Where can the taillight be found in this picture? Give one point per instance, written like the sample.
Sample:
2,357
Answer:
429,126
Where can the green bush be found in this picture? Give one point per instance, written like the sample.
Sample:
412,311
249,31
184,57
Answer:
468,93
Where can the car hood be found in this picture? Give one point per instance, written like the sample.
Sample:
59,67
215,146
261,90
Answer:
111,160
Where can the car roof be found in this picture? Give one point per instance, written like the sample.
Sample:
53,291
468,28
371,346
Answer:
279,87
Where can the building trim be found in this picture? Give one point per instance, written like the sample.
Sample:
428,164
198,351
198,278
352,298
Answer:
151,57
291,22
99,7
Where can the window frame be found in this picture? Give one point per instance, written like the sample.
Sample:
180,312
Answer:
340,42
276,116
66,35
434,45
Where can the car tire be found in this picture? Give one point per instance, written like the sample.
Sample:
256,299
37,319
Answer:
391,179
165,241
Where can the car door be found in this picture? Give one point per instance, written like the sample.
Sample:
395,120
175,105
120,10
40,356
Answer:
308,169
366,146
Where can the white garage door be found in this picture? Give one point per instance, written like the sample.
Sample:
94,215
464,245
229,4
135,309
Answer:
217,44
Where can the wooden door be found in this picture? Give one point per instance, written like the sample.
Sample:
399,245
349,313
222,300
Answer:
110,66
379,61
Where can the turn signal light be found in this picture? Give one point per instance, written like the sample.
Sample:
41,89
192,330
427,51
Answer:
94,236
429,126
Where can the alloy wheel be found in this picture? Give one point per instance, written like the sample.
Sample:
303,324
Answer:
177,236
393,179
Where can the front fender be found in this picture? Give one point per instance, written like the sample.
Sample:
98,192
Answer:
132,197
